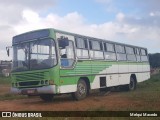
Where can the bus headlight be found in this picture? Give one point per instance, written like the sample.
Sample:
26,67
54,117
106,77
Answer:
51,82
42,82
46,82
16,84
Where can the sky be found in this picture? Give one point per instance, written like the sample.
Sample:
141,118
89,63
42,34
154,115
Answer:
135,22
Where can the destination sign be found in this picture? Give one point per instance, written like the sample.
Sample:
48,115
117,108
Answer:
30,36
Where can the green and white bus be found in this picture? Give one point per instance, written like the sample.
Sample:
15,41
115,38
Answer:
48,62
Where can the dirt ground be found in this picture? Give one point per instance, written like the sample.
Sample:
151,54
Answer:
95,101
4,89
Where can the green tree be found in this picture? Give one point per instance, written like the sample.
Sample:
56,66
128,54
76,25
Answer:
154,60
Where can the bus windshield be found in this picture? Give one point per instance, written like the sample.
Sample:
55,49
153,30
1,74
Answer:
35,55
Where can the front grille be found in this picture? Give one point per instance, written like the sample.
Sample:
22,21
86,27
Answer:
31,76
29,83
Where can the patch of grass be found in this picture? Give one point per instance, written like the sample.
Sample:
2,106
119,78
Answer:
147,93
9,96
5,80
145,98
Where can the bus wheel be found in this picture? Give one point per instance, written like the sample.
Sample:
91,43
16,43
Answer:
81,92
132,84
47,97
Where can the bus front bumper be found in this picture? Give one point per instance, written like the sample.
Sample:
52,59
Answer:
51,89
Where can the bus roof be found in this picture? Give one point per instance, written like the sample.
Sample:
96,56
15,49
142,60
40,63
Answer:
93,38
34,33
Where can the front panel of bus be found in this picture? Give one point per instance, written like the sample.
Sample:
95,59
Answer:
35,63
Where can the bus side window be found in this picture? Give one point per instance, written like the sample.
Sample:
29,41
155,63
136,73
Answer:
82,48
121,54
67,55
144,57
109,51
96,49
130,53
137,54
90,45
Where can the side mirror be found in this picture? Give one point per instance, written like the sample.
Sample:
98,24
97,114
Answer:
63,42
7,49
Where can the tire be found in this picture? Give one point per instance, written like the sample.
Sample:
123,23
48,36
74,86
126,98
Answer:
132,85
47,97
81,92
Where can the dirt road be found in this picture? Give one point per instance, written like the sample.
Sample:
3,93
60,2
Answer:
64,103
95,101
4,89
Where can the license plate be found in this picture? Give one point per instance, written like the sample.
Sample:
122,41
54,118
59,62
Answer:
31,91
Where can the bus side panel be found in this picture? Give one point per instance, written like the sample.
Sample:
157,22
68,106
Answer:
146,69
98,72
124,75
133,68
107,70
112,74
83,70
67,81
139,72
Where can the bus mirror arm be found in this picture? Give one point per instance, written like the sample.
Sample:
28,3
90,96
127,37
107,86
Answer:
8,50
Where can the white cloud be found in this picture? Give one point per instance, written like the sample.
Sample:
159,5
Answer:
30,16
121,29
156,13
30,4
142,31
11,15
104,1
120,17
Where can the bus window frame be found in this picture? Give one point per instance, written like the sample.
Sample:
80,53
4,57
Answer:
56,52
106,51
75,61
137,53
87,49
121,52
146,54
131,53
91,49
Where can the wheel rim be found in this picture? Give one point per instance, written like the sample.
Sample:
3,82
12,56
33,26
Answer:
81,89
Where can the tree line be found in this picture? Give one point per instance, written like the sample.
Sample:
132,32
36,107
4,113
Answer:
154,60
